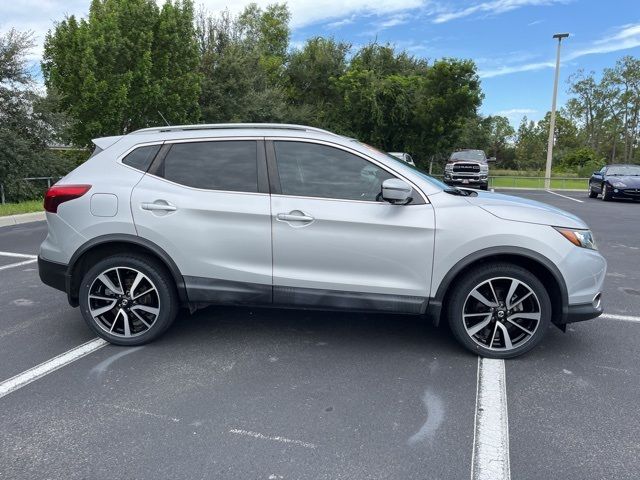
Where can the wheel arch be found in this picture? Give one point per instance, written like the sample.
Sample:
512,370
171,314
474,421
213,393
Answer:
106,245
538,264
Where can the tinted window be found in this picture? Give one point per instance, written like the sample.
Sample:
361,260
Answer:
313,170
475,155
141,157
227,165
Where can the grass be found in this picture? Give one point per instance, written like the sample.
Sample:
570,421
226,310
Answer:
22,207
524,182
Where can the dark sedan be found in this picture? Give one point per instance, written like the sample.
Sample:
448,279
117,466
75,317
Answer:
616,181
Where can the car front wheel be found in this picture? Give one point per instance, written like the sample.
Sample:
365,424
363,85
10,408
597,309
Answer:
499,311
606,193
128,300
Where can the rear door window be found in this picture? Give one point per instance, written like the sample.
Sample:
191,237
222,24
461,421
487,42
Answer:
214,165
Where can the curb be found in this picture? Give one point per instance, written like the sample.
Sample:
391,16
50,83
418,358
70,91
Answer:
22,218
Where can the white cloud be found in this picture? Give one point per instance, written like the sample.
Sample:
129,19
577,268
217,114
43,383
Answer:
494,7
393,21
39,16
624,38
307,12
515,112
628,36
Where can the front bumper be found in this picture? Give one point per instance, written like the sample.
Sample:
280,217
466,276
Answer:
464,180
633,193
53,274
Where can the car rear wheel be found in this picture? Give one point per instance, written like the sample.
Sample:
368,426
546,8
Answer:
499,311
128,300
606,193
592,194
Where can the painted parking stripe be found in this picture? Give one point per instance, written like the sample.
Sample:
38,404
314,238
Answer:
18,264
17,255
624,318
35,373
490,457
564,196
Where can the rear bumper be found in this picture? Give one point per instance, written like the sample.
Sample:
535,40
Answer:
582,311
53,274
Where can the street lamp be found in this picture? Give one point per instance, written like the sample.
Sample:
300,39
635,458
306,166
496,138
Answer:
552,123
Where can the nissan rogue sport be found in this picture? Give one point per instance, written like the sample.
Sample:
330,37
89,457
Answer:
287,215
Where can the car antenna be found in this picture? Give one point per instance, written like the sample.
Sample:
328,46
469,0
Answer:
165,120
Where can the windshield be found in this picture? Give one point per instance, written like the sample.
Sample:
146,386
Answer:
475,155
630,170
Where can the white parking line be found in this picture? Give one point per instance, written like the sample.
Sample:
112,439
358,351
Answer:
239,431
564,196
28,376
624,318
18,264
18,255
490,457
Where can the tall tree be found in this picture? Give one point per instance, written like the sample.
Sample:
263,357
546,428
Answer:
130,59
27,124
242,66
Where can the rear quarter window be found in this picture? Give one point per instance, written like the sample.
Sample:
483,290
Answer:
141,157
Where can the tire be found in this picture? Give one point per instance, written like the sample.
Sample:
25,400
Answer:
489,340
592,194
136,314
484,187
606,193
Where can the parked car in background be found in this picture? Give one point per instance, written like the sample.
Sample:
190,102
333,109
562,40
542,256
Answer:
616,181
405,157
469,168
295,216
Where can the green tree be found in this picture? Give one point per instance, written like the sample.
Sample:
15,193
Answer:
242,65
27,123
312,74
530,146
125,64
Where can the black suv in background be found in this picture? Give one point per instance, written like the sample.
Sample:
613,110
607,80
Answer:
469,168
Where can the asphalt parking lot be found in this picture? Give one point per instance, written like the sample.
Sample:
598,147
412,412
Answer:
230,393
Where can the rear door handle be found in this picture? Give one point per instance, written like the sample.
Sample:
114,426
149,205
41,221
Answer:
163,207
295,216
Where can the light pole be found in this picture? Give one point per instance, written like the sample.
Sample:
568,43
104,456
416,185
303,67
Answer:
552,122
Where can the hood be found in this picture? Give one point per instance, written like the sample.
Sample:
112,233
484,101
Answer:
519,209
630,181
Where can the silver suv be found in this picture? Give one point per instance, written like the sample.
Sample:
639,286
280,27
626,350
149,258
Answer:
287,215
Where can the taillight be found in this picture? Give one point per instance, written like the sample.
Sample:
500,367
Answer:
62,193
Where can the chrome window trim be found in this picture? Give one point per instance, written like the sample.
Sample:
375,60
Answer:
357,154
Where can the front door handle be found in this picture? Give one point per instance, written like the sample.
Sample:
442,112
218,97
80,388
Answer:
162,207
295,216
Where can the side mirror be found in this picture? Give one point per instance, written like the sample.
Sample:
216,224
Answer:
396,191
491,159
596,173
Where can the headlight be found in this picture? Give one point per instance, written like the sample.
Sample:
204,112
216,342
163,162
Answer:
484,168
618,184
580,238
448,167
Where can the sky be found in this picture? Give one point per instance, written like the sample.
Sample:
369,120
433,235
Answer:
510,40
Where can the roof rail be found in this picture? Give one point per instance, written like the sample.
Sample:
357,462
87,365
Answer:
226,126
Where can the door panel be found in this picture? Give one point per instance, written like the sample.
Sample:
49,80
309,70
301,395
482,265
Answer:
365,247
219,235
203,207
